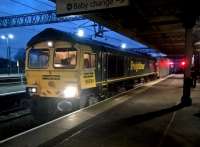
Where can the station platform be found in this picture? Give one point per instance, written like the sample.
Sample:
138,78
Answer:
149,116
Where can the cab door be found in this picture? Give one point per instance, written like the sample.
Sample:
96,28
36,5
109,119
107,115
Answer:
88,77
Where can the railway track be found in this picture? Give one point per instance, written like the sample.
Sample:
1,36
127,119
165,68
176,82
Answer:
14,114
13,102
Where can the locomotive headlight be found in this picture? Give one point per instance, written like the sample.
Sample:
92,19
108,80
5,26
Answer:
71,91
50,44
32,90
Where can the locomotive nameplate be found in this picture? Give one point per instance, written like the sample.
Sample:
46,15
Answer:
51,77
137,66
88,79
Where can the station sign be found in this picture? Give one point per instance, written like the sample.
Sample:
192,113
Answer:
68,7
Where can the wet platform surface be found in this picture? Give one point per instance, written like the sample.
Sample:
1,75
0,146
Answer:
150,118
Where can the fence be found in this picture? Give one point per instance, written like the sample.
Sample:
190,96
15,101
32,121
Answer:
13,70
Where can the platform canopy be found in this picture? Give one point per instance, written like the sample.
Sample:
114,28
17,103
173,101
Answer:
158,23
26,18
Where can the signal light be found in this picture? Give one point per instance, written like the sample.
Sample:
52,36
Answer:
183,63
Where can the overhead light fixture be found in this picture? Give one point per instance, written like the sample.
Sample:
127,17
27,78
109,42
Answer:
123,45
80,33
10,36
3,37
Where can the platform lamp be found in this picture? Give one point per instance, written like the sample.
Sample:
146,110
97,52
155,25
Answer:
7,38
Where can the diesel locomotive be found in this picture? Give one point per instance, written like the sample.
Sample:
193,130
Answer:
64,72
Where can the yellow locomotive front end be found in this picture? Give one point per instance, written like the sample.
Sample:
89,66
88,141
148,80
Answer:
53,71
53,77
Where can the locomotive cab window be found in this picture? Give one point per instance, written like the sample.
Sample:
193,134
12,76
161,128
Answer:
65,58
38,58
89,60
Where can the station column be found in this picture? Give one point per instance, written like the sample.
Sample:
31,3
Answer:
186,98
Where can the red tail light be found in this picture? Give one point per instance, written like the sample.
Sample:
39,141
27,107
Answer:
183,63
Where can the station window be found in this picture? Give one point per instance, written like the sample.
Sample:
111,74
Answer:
89,60
38,58
65,58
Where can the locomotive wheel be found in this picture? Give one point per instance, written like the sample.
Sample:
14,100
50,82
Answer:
83,102
88,101
92,100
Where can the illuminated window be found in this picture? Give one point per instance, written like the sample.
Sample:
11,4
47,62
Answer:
65,58
89,60
38,58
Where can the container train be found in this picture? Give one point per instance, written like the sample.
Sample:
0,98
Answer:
64,72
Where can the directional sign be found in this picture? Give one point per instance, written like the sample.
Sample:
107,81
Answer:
67,7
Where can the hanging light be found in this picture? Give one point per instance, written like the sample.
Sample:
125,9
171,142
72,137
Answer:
80,33
123,45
